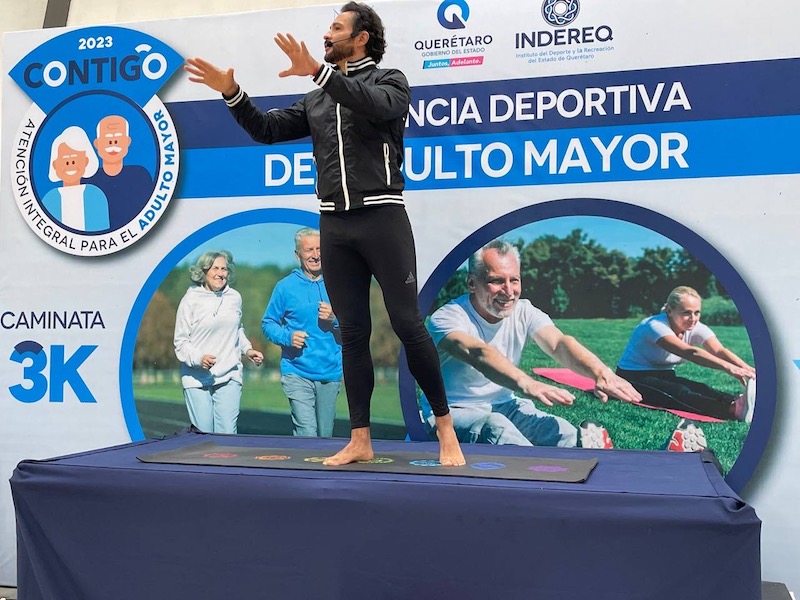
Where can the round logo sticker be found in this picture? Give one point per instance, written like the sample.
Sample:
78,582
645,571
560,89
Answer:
96,156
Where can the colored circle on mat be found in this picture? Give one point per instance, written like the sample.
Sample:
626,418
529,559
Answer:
487,466
425,463
378,460
220,455
548,469
314,459
273,457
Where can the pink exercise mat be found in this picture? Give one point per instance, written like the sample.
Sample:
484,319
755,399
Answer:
586,384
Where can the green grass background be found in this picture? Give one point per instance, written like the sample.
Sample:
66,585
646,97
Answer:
634,427
265,395
630,427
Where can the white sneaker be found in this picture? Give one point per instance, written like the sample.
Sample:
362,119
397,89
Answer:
687,437
594,435
750,394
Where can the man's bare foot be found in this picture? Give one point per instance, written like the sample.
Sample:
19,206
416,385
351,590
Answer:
359,448
450,454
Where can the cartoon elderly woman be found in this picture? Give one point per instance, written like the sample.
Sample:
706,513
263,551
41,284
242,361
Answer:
79,206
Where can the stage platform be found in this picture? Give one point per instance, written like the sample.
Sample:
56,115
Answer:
644,525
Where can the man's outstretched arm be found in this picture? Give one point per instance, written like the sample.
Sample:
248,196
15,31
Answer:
219,80
499,369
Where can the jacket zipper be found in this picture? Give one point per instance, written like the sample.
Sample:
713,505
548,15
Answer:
341,156
386,164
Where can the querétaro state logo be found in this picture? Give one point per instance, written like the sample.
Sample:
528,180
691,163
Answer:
559,13
96,157
453,14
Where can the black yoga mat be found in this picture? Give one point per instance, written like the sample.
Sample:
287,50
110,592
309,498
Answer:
409,462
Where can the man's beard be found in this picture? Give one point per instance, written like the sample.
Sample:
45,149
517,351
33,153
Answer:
339,51
501,313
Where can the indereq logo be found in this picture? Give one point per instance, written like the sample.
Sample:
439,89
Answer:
559,13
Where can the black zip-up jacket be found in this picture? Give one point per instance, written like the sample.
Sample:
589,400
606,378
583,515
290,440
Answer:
356,122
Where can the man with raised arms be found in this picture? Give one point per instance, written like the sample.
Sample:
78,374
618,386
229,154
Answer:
356,120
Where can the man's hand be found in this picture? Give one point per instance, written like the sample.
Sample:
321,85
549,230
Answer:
609,383
326,312
545,393
303,63
299,339
204,72
208,361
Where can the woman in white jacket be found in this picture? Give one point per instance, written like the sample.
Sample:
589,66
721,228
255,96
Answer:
210,342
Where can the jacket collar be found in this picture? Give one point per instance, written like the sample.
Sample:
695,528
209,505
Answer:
359,65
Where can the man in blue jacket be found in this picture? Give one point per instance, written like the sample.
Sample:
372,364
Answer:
300,320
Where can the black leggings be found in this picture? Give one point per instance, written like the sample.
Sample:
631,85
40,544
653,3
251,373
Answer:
355,245
666,390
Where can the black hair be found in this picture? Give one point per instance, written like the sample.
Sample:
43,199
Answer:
366,19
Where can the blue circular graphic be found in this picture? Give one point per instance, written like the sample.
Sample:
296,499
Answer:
85,111
487,466
699,248
425,463
457,19
186,246
559,13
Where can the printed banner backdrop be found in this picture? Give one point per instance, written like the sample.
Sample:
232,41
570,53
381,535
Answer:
625,152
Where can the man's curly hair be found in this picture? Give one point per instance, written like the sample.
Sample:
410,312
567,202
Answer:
366,19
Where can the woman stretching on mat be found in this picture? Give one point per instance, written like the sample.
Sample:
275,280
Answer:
675,335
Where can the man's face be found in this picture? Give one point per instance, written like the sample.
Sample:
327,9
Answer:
70,165
113,143
495,294
339,45
309,256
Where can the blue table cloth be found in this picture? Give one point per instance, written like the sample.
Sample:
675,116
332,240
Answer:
646,525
